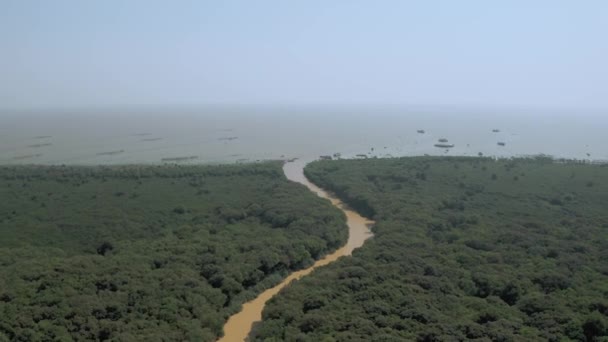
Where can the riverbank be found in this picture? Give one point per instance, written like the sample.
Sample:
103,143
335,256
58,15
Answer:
463,249
239,326
187,260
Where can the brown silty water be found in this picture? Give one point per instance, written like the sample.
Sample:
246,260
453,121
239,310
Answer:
239,325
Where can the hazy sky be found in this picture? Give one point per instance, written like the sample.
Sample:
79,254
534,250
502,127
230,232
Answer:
546,53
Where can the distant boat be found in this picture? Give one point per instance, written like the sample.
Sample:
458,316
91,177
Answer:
420,131
444,145
496,130
39,145
110,153
443,140
325,157
501,144
179,159
27,156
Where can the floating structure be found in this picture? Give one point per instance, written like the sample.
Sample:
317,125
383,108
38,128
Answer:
444,145
110,153
362,156
27,156
337,155
325,157
39,145
500,143
179,159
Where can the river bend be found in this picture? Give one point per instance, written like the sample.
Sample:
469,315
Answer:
239,325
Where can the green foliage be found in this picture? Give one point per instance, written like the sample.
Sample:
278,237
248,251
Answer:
466,252
149,253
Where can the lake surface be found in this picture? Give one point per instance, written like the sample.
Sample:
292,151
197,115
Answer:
231,135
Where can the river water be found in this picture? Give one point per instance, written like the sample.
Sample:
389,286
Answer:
239,325
229,135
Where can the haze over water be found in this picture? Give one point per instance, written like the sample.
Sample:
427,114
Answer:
223,135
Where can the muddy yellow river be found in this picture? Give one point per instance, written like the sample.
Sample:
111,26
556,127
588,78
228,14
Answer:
239,325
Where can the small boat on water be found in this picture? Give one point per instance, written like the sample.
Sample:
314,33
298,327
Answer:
27,156
500,143
178,159
443,140
444,145
420,131
496,130
110,153
39,145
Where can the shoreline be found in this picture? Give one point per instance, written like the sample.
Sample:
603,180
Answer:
239,326
190,161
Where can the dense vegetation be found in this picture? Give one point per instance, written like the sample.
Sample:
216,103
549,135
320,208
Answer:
464,249
149,253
